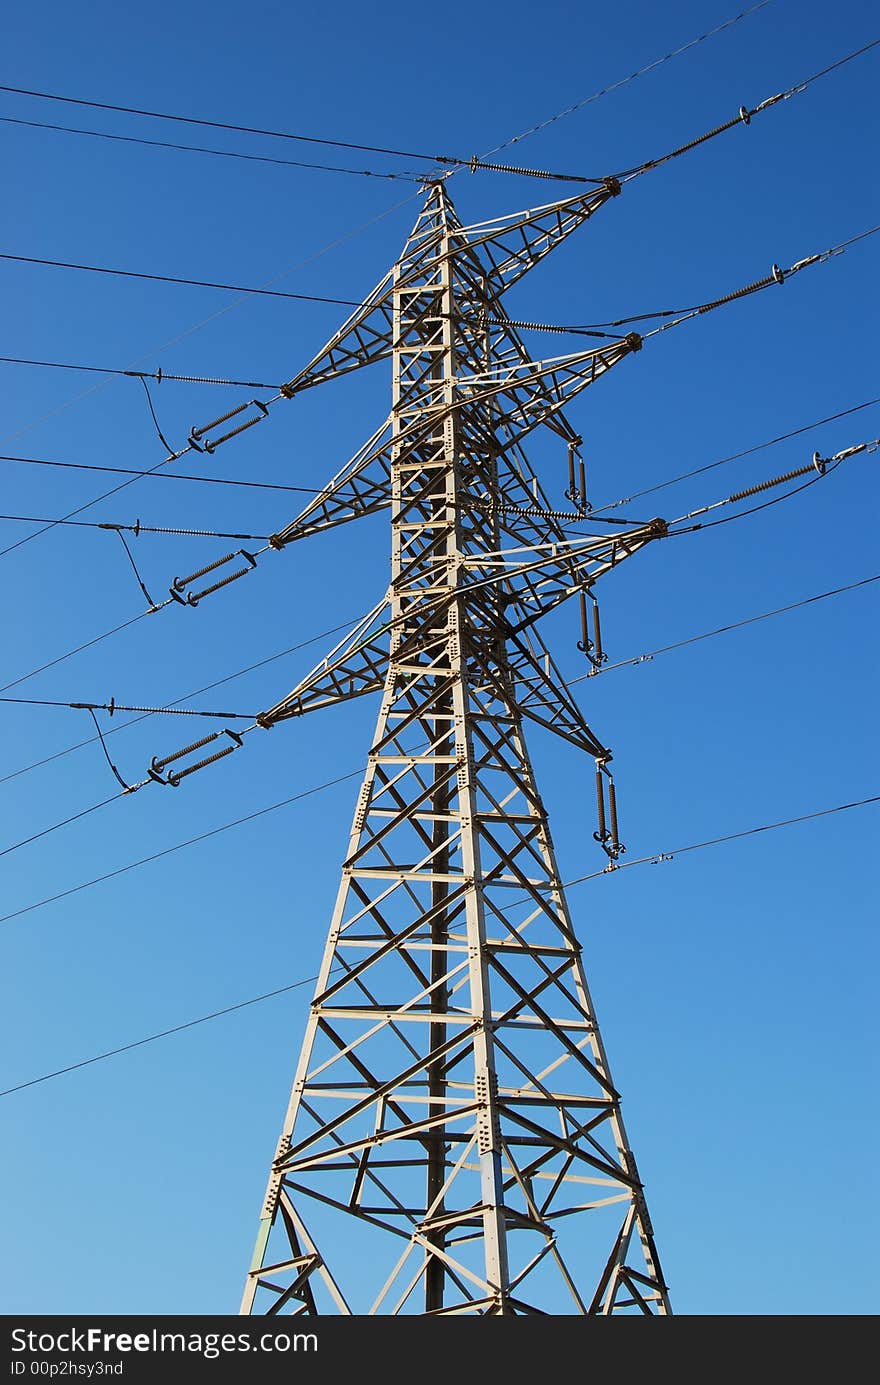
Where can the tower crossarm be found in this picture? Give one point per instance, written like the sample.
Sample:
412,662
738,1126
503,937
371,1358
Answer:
365,336
538,581
530,389
355,666
538,690
361,487
512,245
526,395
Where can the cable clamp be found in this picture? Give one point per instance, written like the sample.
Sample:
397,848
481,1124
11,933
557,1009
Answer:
772,100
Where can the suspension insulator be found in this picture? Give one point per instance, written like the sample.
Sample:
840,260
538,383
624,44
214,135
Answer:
242,428
215,423
615,844
599,654
181,583
198,438
158,765
174,779
193,598
776,276
601,835
774,481
585,644
582,485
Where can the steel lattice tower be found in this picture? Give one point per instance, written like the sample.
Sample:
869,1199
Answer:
454,1141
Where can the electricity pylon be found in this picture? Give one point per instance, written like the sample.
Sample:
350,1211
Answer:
454,1140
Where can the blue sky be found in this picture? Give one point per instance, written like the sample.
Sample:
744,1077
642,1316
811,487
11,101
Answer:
734,985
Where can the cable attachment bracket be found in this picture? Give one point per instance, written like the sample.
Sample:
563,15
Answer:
158,765
179,584
198,438
608,836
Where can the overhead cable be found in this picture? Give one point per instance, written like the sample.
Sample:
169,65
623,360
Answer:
156,475
172,706
625,81
390,152
651,654
408,177
656,859
158,375
175,279
736,456
181,846
217,313
227,125
137,528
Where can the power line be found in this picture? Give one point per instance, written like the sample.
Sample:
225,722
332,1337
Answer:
220,153
163,1034
454,161
65,822
660,856
171,709
724,629
174,279
180,846
312,490
237,129
135,529
162,475
113,706
745,115
736,456
692,528
132,620
218,312
195,692
381,215
354,303
306,980
157,375
625,81
777,276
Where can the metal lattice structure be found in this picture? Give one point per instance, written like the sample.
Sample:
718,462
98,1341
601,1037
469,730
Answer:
454,1140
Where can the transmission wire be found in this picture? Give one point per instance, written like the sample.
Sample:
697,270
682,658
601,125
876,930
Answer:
304,981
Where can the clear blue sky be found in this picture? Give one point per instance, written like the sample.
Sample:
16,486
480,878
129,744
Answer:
734,985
